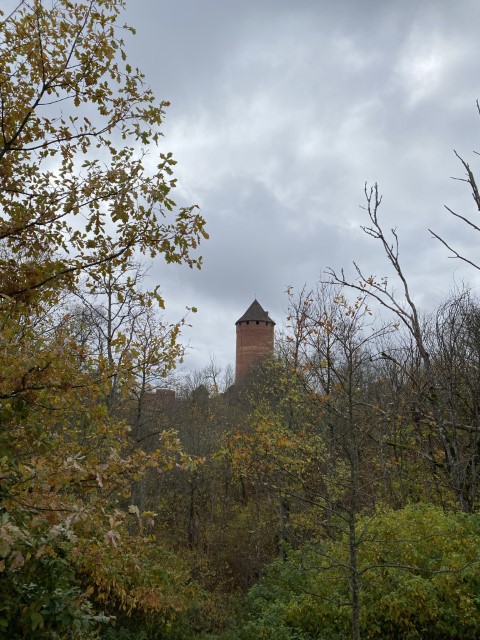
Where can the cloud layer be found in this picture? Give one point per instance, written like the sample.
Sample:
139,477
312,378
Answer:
281,112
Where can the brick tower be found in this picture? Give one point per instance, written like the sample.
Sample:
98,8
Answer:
254,339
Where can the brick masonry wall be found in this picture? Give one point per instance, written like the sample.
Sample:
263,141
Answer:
254,342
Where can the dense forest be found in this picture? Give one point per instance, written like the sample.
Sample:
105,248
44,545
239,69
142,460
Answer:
333,494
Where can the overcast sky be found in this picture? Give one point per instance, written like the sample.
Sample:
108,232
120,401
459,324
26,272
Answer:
281,111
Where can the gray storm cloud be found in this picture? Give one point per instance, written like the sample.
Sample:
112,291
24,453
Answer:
280,113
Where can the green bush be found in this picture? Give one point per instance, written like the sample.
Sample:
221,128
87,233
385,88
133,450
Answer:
419,578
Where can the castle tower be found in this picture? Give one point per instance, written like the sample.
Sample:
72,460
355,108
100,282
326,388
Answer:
254,339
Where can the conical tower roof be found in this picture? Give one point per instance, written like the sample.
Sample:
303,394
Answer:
255,313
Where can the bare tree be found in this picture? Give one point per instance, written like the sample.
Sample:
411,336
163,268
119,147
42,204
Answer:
126,332
405,311
472,183
334,344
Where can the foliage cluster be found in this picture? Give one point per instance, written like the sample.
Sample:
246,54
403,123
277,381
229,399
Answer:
419,567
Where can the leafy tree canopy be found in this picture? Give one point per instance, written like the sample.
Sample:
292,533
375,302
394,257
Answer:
83,191
78,188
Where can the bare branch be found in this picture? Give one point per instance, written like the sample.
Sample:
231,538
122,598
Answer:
455,253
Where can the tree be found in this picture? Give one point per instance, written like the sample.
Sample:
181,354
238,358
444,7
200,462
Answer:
406,313
76,122
338,346
466,219
78,202
126,333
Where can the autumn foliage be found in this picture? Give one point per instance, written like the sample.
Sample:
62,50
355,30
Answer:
78,204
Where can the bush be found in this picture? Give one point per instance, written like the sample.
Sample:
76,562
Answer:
419,578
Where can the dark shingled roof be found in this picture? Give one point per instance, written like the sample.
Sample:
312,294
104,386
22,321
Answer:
255,313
